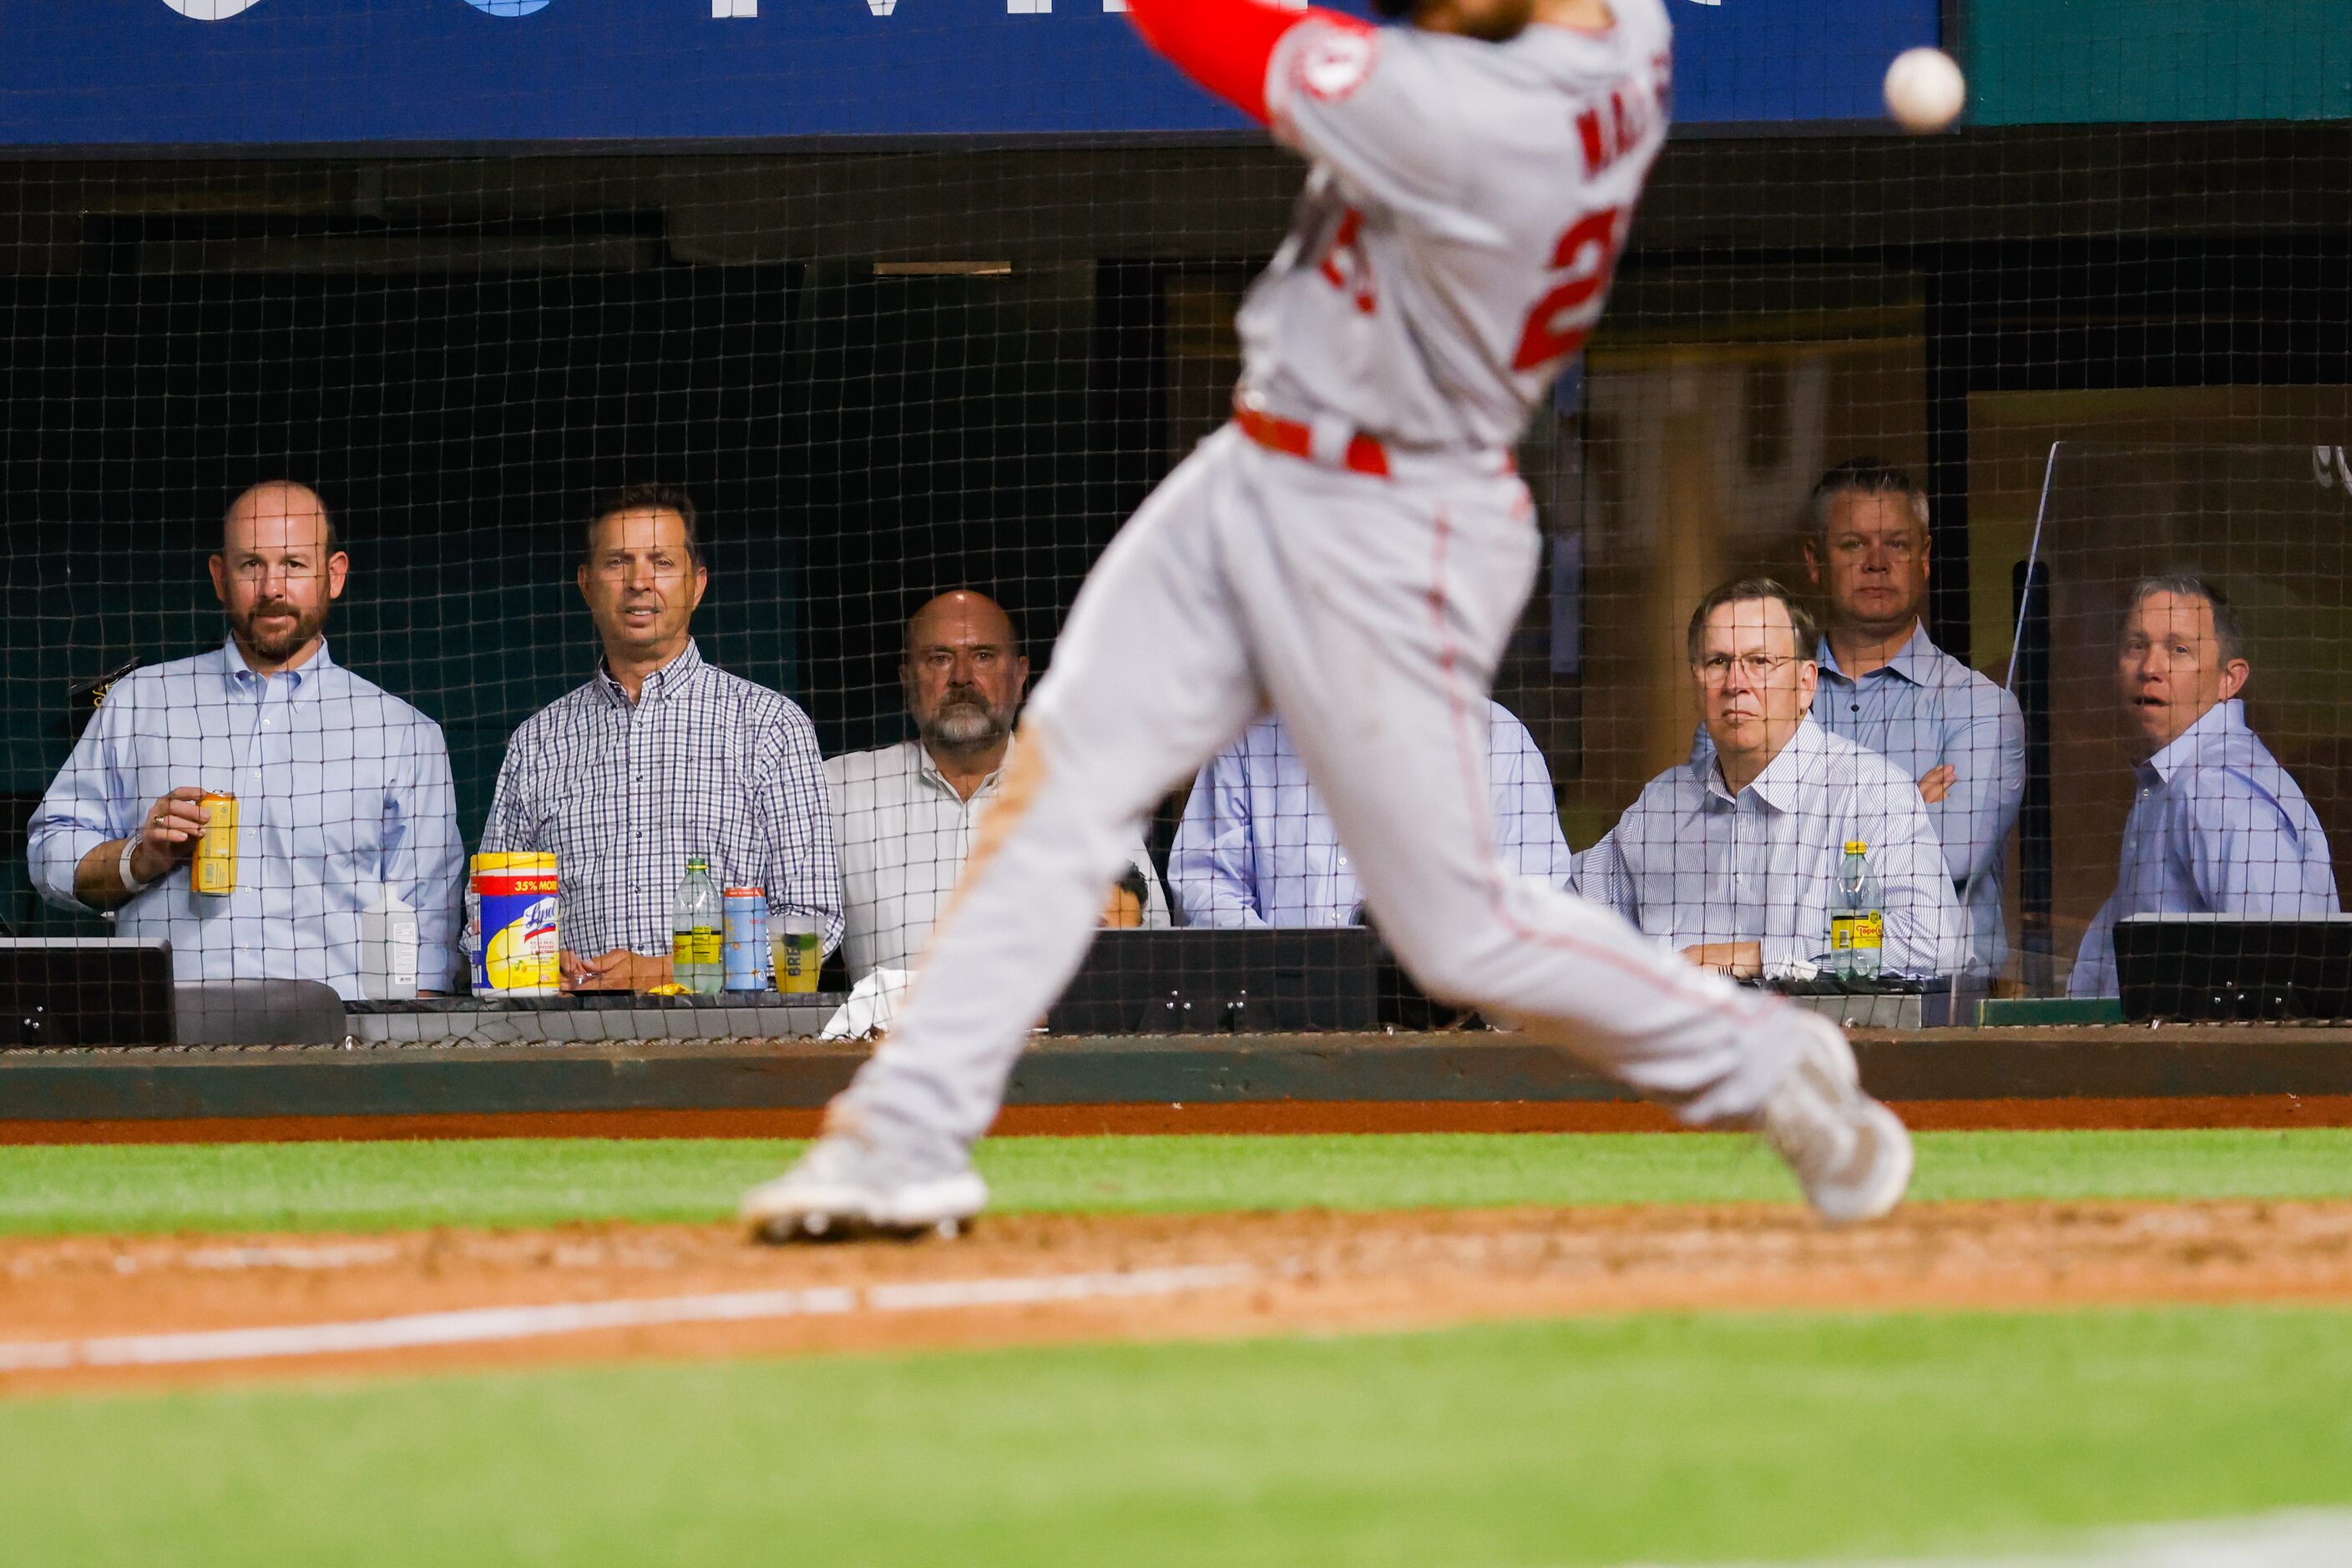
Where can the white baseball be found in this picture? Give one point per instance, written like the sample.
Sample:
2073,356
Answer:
1925,89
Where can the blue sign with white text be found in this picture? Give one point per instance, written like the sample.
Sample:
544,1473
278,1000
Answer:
261,72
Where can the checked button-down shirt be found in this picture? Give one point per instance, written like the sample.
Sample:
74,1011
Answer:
904,835
704,763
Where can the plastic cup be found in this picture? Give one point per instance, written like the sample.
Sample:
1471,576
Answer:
798,949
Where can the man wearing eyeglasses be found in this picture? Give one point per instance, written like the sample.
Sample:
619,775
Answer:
1732,857
342,790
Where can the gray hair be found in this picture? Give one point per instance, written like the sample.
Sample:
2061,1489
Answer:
1860,476
1740,590
2229,628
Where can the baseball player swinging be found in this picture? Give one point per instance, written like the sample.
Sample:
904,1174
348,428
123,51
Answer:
1353,549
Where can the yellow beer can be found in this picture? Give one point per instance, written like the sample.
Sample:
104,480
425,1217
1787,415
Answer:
216,868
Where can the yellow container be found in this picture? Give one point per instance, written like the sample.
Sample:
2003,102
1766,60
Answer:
216,868
512,908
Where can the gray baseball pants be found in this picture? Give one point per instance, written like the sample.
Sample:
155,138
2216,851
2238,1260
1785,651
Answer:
1369,613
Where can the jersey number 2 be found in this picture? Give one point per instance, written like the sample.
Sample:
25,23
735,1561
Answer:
1559,324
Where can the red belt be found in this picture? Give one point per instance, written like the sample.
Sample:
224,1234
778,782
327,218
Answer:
1365,456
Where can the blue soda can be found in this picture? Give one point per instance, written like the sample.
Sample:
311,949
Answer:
747,938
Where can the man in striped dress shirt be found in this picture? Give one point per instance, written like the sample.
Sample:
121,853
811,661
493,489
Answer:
659,758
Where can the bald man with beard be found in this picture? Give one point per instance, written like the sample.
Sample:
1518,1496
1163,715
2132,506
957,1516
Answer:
905,815
342,790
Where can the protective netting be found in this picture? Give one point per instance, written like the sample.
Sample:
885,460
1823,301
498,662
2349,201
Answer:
880,377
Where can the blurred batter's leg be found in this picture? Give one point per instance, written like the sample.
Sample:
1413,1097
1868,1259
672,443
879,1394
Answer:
1149,678
1378,612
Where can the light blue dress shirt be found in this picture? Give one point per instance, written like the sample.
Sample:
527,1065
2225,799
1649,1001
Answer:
1690,863
342,791
1924,709
2216,828
1256,846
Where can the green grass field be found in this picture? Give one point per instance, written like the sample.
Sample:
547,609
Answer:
362,1186
1666,1438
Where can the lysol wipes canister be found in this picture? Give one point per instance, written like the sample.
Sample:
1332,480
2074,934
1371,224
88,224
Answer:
511,916
746,941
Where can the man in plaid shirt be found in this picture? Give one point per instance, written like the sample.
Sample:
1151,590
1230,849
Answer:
661,757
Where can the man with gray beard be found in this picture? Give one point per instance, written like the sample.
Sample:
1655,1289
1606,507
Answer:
905,817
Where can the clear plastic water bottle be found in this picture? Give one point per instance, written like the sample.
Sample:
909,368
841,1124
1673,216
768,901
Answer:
695,923
1857,917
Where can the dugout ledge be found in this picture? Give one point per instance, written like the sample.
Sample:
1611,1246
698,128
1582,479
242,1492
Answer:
2096,1075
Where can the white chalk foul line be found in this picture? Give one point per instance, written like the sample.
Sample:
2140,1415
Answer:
2292,1538
479,1325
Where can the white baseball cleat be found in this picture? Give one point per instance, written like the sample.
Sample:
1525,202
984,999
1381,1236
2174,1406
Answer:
1850,1154
848,1185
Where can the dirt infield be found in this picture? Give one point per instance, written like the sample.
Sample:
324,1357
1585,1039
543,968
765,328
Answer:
111,1310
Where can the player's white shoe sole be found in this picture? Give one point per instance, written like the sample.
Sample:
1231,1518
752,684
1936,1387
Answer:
844,1187
1850,1154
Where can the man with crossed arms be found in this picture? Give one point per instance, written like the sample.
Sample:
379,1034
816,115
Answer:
1884,684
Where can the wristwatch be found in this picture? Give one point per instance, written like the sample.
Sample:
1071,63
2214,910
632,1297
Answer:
122,866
